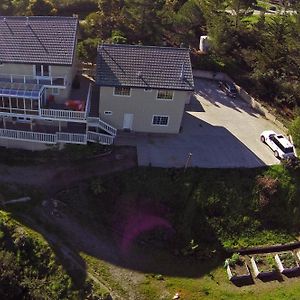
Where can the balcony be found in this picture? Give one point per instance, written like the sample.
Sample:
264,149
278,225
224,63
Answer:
75,108
52,134
29,79
47,134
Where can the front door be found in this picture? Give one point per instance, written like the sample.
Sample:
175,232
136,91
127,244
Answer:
128,120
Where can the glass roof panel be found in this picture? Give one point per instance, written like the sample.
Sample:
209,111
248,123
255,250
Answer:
20,90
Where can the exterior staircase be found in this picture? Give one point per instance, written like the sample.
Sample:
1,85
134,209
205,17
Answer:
93,120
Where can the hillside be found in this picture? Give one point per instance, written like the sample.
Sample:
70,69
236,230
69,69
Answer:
123,233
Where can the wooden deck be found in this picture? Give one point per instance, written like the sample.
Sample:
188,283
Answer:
51,128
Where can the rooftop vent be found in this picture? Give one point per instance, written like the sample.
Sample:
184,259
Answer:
139,74
27,21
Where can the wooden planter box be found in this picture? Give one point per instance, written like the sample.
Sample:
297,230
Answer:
287,262
261,266
237,272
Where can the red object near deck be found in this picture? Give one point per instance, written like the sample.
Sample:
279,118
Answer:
77,105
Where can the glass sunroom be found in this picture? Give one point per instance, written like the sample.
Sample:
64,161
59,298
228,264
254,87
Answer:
21,98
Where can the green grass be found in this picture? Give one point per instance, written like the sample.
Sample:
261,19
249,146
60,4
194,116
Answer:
29,266
215,285
101,270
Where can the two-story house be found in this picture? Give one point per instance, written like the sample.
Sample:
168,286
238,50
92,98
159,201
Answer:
143,88
38,106
138,88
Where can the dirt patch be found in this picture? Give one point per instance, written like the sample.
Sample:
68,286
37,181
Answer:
57,176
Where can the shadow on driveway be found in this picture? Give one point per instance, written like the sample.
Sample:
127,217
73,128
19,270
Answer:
211,147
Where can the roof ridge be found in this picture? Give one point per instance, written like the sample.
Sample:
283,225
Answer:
37,17
143,46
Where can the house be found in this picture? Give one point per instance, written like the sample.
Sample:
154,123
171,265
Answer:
38,105
138,88
143,88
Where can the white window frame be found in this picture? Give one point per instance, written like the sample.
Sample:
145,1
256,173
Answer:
108,112
164,99
55,91
42,70
160,116
122,87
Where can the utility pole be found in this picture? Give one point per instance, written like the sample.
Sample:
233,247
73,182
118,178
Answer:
188,161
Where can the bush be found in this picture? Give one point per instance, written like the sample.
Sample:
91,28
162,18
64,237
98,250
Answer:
267,187
295,131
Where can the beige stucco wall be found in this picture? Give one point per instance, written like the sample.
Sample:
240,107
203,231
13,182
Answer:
56,71
143,105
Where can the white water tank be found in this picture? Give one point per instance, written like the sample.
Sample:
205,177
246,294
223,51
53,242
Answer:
204,43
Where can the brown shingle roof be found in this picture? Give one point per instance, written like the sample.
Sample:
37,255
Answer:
144,67
48,40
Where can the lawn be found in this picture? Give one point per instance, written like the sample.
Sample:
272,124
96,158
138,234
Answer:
215,285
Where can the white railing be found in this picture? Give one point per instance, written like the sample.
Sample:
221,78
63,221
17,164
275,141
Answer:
103,125
92,121
100,138
28,136
72,138
61,137
88,101
63,114
51,80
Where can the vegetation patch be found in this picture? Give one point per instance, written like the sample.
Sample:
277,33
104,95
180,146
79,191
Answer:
70,153
28,266
265,263
288,260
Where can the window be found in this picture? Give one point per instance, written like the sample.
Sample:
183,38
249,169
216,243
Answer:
160,120
165,95
42,70
23,120
55,91
122,91
108,112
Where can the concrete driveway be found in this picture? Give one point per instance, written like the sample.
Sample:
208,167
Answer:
218,131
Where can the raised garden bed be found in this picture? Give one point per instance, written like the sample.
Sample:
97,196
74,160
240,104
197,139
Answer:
264,265
237,268
287,262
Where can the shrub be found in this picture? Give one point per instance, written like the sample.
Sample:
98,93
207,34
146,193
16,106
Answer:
295,131
267,187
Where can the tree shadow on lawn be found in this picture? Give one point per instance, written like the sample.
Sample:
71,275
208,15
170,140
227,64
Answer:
68,238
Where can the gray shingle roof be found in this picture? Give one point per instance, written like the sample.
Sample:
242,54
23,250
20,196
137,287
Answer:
144,67
48,40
